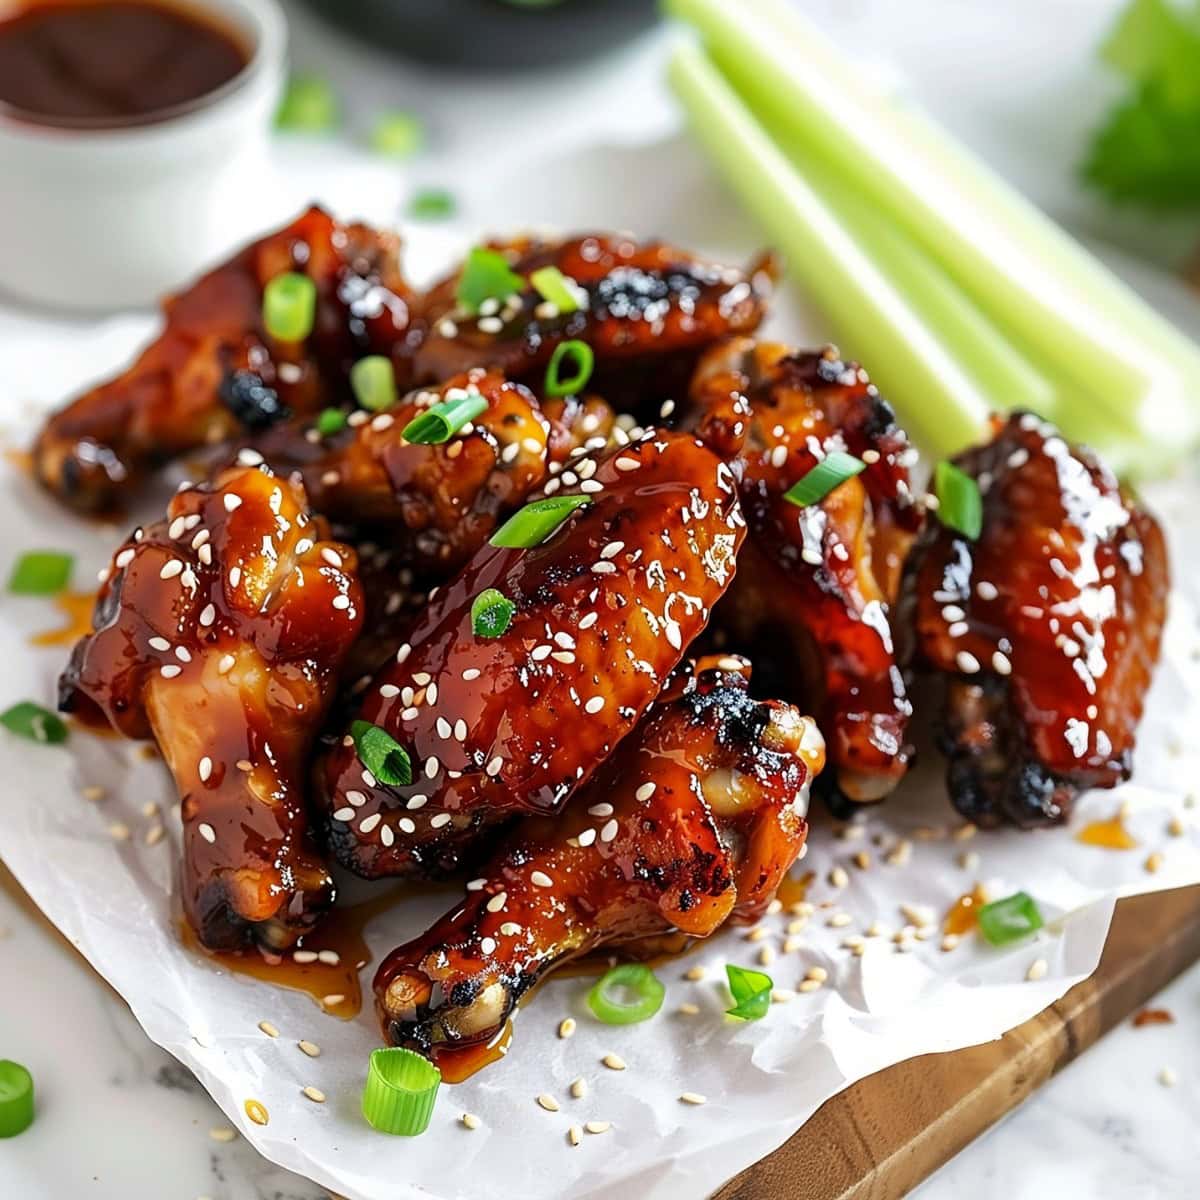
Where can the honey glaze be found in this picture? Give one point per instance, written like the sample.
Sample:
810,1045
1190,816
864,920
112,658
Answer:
792,890
963,915
1110,834
76,607
461,1062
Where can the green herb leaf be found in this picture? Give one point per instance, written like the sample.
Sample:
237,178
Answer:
627,994
373,381
552,286
309,105
32,721
534,523
815,484
1011,919
41,573
381,754
16,1099
441,422
491,613
573,353
289,306
397,135
401,1091
432,204
330,421
751,992
486,275
960,506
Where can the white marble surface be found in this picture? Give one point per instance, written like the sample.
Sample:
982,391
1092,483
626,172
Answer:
120,1118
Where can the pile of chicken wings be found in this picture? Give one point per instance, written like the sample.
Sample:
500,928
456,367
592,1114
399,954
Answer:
298,635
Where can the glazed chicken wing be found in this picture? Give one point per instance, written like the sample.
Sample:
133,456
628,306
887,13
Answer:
693,821
604,607
1047,627
214,372
818,582
220,631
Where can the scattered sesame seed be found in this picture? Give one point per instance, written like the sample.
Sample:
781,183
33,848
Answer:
967,663
119,832
598,1126
438,820
541,879
693,1098
548,1102
1153,862
809,985
817,974
476,885
232,501
950,941
600,810
226,664
222,1134
497,902
314,1094
694,974
609,831
204,770
838,877
688,1009
207,832
644,792
1167,1077
566,1027
268,1029
155,834
1037,969
614,1062
579,1088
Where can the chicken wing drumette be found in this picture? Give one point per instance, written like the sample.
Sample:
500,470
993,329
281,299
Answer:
646,309
817,582
693,821
1047,626
604,608
220,631
214,371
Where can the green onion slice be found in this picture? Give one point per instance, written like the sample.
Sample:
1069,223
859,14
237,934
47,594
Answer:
1011,919
534,523
330,421
373,380
441,422
432,204
960,506
41,573
309,105
626,994
381,754
552,285
32,721
491,613
401,1091
16,1099
486,275
584,360
751,992
817,483
289,306
397,135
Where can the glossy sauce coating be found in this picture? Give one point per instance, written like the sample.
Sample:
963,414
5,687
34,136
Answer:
605,608
1047,627
821,580
692,822
214,372
220,631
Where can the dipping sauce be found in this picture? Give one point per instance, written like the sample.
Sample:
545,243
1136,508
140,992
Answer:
104,63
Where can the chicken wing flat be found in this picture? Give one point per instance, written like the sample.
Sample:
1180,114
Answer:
220,631
214,371
641,305
818,582
604,608
693,822
1047,627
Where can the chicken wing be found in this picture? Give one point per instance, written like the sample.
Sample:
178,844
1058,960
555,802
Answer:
693,821
1047,626
220,631
604,608
818,581
214,371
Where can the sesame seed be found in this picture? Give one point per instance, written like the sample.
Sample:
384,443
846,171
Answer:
601,810
604,568
1154,862
404,824
862,860
417,801
1001,664
470,674
614,1062
171,568
222,1134
510,929
838,877
367,824
766,956
779,456
644,792
566,1027
694,974
304,957
476,885
155,834
119,832
597,1126
226,664
1037,969
1167,1077
268,1029
341,601
809,985
460,730
443,727
967,663
315,1095
432,766
204,770
693,1098
124,558
332,1000
548,1102
917,914
207,832
609,831
587,837
330,958
541,879
487,945
93,792
688,1010
627,464
497,902
440,819
232,501
950,941
389,690
235,576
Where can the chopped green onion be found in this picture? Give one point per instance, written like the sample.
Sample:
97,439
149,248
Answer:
626,994
41,573
751,992
552,286
309,105
835,468
16,1099
1011,919
330,421
584,360
486,275
441,422
32,721
960,506
491,613
373,380
381,754
401,1091
397,135
533,524
289,306
432,204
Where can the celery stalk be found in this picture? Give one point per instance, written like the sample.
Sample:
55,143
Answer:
1099,340
911,364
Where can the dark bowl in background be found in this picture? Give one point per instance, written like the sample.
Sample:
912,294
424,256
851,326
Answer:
492,34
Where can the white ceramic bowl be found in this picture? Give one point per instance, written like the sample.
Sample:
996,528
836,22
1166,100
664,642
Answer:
113,218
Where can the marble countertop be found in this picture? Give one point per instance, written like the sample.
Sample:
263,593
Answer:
120,1118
